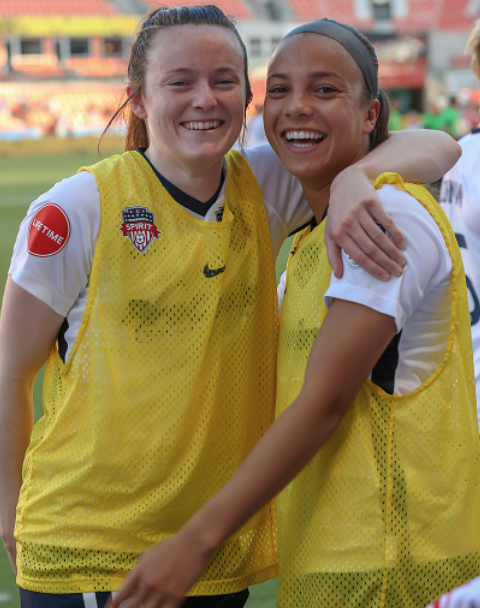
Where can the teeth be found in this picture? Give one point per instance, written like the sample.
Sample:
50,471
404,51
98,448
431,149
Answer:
202,126
303,135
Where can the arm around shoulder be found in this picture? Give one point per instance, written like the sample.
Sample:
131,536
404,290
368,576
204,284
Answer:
418,155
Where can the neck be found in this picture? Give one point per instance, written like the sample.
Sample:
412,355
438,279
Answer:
317,197
200,184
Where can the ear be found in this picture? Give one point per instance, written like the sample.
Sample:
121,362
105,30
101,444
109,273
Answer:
136,104
371,116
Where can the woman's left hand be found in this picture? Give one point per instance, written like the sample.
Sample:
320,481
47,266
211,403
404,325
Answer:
354,215
162,576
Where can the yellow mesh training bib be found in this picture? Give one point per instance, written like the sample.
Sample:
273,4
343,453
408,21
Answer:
169,385
387,513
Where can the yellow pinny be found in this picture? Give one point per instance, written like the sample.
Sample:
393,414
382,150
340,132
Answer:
387,513
169,385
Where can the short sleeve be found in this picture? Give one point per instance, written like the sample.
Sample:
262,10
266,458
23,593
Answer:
428,263
285,203
55,245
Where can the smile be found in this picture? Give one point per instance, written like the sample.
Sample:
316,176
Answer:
202,126
303,139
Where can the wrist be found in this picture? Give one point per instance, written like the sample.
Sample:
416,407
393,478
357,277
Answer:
351,174
203,538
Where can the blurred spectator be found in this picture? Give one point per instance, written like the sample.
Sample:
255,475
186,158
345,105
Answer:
413,120
255,131
451,119
432,118
396,121
471,115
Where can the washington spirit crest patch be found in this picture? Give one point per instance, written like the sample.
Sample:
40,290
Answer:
139,226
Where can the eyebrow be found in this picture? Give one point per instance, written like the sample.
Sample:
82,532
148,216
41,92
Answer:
191,70
312,75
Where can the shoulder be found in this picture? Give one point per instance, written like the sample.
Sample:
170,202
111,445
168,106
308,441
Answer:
413,217
428,261
55,246
282,192
265,164
77,198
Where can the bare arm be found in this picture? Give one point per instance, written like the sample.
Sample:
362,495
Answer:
420,156
352,337
28,329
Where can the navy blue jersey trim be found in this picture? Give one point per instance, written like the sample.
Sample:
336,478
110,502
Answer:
35,599
383,374
187,201
312,223
62,343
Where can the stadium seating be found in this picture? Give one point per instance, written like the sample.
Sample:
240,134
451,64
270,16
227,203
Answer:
97,67
75,109
424,15
456,15
37,66
342,10
10,8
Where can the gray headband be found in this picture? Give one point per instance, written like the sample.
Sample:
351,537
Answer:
346,37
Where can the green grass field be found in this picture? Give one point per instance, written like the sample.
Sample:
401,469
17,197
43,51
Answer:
24,174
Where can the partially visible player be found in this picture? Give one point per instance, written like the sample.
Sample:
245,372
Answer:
375,385
460,198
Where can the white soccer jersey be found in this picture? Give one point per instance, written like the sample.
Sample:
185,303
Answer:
59,277
460,199
466,596
411,298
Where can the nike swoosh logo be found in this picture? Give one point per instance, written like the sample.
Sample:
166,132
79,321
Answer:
212,272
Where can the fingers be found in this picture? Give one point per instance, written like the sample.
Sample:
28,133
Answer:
376,244
368,244
357,257
125,592
138,593
375,212
334,254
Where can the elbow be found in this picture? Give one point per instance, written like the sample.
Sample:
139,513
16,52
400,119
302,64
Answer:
457,151
453,151
326,415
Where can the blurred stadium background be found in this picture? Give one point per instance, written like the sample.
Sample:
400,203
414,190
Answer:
62,74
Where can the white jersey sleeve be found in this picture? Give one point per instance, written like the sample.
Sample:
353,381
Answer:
466,596
55,245
282,284
285,204
428,263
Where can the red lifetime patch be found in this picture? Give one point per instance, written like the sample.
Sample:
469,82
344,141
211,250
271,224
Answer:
49,231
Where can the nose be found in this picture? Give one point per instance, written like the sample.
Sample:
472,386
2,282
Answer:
204,97
298,104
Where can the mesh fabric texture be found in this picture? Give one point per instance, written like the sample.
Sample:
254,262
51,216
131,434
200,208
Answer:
169,385
386,514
